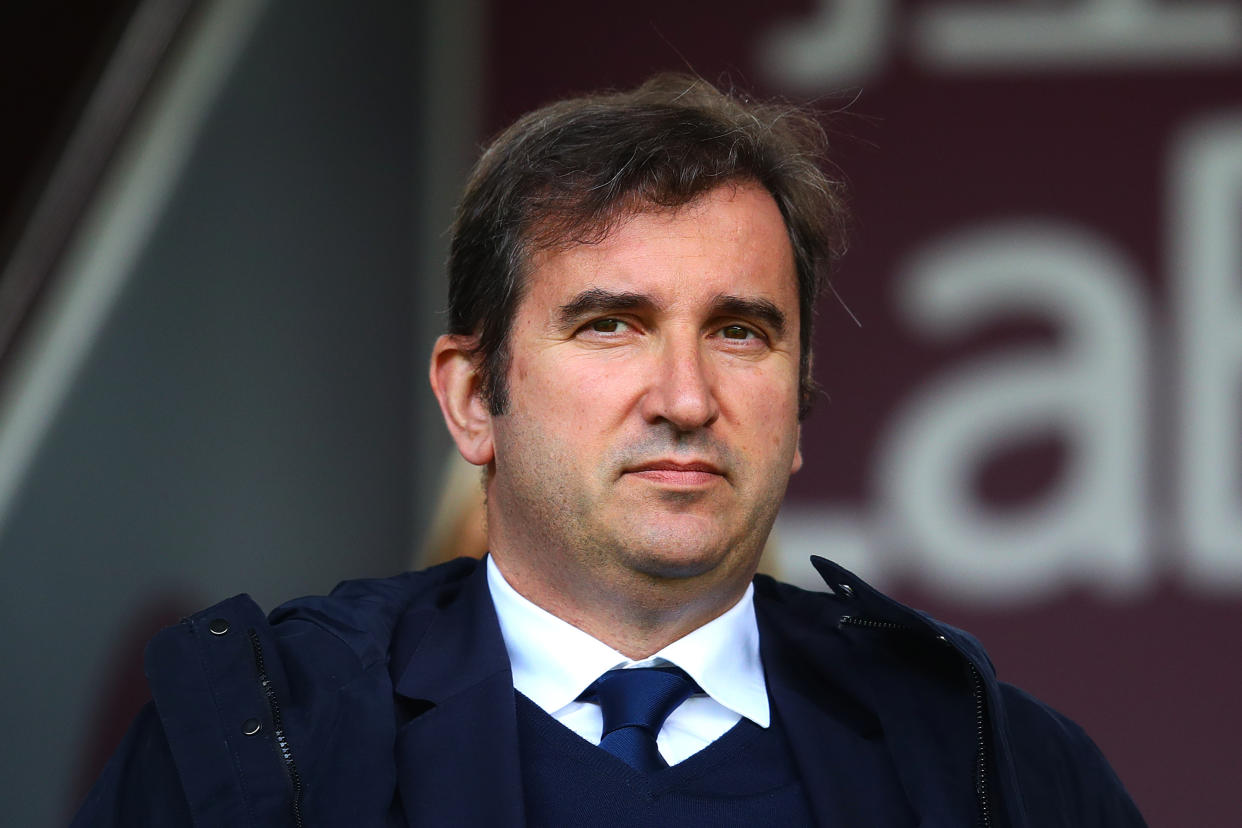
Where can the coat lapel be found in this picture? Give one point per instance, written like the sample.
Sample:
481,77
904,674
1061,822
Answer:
836,740
457,720
902,692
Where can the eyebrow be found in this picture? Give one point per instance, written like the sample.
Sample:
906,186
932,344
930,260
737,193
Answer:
762,310
599,300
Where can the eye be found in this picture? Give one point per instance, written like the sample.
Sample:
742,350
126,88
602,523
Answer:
736,332
607,325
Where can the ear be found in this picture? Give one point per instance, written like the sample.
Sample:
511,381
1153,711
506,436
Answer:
455,381
810,372
797,458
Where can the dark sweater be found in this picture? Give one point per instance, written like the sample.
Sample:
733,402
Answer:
743,778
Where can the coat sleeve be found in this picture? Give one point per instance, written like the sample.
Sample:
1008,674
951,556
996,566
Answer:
1055,757
139,786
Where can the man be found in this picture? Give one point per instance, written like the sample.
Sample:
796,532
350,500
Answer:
632,284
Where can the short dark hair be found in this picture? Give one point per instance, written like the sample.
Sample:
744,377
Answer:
565,173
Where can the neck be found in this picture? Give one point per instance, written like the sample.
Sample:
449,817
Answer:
636,616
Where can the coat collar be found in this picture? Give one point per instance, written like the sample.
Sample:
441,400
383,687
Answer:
455,698
858,599
457,719
932,642
815,700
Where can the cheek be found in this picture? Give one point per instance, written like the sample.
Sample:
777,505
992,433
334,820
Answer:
769,410
559,413
585,386
768,392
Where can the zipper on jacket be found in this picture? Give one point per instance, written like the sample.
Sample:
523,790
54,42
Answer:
982,797
282,741
981,747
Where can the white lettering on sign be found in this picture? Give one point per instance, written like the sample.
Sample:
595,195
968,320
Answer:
1100,523
1205,267
847,41
1089,388
843,42
1087,33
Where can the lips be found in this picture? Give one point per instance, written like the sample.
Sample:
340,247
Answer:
678,473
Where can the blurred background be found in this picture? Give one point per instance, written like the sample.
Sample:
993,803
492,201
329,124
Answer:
223,233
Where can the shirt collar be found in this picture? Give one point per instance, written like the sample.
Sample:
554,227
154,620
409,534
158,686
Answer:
553,661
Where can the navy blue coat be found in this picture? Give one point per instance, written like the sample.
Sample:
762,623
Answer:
390,703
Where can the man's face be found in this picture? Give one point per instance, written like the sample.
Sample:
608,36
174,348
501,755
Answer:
652,420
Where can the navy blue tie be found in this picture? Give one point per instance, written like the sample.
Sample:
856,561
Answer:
635,704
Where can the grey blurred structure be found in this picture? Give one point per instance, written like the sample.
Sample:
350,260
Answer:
220,387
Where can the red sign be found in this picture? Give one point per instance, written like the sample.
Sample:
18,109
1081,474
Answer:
1033,411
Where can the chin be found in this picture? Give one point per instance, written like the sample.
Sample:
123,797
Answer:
681,558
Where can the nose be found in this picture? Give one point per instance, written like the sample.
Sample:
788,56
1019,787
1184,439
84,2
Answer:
682,388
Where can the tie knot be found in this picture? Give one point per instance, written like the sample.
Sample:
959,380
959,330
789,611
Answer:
638,699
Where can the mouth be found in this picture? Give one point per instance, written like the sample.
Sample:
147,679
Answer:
678,473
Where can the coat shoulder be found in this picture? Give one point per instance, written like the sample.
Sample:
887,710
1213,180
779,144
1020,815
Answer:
247,702
362,617
1050,770
1052,754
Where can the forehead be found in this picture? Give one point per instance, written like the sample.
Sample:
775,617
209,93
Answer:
731,240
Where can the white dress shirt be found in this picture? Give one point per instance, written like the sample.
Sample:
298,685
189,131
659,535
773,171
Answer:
553,662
